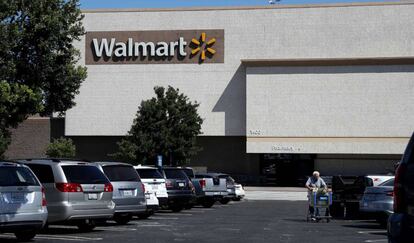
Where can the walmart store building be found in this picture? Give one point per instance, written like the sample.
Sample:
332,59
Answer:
283,89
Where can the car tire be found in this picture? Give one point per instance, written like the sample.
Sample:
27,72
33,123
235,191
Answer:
237,199
176,208
123,219
25,236
188,206
207,203
144,215
87,226
224,200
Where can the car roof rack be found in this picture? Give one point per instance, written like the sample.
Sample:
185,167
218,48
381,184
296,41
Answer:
57,160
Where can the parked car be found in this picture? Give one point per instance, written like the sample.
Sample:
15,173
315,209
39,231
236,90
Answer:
129,191
77,192
235,190
22,203
378,201
154,182
231,189
401,222
379,179
209,187
240,193
347,193
179,188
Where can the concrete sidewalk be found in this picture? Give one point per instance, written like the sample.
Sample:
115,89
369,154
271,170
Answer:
276,193
275,189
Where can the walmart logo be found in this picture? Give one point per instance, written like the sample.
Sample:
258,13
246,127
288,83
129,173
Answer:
202,47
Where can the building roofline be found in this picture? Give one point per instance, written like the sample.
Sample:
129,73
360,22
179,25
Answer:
276,6
329,61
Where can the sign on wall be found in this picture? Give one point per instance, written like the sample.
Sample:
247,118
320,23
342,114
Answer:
155,47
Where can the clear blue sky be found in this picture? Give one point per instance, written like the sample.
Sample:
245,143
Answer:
93,4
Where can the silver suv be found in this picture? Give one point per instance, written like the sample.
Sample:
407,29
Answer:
129,191
77,192
22,201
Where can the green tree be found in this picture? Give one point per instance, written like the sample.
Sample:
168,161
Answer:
61,148
38,62
166,125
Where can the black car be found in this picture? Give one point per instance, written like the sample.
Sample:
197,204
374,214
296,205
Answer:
401,222
179,188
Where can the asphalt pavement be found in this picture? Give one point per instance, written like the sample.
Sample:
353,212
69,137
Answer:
245,221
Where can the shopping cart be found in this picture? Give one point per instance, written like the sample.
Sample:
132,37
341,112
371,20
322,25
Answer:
319,202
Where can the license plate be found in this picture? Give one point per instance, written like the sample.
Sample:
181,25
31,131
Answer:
127,193
411,211
93,196
154,187
181,184
18,197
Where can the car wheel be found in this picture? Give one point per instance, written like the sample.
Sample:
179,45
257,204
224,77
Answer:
86,226
176,208
224,200
144,215
237,199
25,235
123,219
208,203
188,206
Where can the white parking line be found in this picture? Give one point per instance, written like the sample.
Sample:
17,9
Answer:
372,232
379,240
57,237
117,228
163,218
177,214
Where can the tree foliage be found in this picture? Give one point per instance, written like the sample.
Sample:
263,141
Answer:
61,148
166,125
38,71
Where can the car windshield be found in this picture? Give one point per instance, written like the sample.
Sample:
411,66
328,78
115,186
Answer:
17,176
121,173
149,173
84,174
175,174
390,182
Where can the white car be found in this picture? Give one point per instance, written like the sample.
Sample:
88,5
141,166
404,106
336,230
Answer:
240,193
379,179
154,183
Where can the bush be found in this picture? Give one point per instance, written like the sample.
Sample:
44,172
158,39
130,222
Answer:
61,148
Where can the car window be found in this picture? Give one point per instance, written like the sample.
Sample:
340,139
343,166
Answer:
175,174
17,176
43,172
82,174
203,176
189,172
390,182
121,173
150,173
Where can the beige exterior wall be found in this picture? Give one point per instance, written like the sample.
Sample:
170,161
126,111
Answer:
111,94
330,109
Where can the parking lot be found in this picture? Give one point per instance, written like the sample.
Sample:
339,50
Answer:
245,221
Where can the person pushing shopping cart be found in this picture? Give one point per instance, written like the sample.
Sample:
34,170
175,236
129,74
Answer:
319,197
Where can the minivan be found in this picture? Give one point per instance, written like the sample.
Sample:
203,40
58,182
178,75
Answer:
129,191
22,201
77,192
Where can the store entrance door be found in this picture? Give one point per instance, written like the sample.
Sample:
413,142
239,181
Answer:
286,169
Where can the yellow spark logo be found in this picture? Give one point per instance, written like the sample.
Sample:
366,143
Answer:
203,47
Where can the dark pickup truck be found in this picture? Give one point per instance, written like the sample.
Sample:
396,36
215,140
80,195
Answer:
347,193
